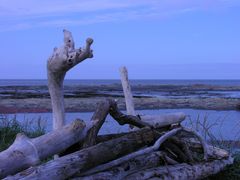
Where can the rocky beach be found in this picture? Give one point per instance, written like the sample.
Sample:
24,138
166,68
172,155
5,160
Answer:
83,98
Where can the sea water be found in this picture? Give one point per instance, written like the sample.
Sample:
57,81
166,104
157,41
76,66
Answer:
76,82
222,124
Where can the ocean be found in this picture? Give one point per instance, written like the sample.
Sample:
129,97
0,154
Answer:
225,126
222,124
74,82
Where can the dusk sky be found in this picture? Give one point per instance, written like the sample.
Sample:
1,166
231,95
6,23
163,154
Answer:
154,39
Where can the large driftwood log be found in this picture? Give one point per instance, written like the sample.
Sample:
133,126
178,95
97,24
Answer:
26,152
133,165
147,150
146,161
182,171
80,161
62,60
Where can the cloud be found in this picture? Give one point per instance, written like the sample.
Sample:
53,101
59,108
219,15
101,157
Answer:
15,14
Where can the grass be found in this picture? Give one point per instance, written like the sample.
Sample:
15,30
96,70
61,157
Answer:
10,127
203,126
231,172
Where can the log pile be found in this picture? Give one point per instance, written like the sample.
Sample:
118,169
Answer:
155,150
158,148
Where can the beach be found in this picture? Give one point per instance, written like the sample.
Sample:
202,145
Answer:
81,97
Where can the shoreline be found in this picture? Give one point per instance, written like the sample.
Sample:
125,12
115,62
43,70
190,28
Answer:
37,105
84,98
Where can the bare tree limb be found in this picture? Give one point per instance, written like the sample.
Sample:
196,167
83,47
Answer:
62,60
98,119
125,119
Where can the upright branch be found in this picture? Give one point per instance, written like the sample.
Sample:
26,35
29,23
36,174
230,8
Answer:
127,91
63,59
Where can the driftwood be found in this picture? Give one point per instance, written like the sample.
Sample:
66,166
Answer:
182,171
146,161
161,148
62,60
110,106
26,152
127,92
80,161
158,121
98,119
89,162
135,154
123,119
155,147
119,172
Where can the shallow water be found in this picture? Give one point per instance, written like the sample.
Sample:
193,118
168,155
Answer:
222,124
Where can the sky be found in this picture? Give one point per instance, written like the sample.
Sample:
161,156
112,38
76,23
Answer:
154,39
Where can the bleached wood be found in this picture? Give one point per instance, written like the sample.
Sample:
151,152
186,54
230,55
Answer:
153,121
182,171
66,166
63,59
26,152
127,92
162,120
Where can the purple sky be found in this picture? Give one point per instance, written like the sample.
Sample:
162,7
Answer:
167,39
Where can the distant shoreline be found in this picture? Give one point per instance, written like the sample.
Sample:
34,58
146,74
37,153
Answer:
83,98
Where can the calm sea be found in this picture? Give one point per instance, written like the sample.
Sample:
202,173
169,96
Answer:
221,124
226,123
34,82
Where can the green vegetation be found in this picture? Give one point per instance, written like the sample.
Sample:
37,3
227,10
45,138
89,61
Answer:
203,127
231,172
10,127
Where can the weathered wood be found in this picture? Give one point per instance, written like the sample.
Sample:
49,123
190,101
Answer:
184,148
26,152
213,152
147,150
107,137
172,147
182,171
80,161
123,119
201,140
133,165
157,121
97,120
127,91
63,59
